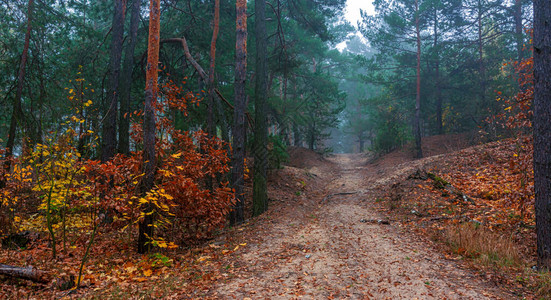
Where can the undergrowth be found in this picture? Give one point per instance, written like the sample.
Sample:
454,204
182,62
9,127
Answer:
482,245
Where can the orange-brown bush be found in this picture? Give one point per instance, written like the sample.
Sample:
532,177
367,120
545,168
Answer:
190,196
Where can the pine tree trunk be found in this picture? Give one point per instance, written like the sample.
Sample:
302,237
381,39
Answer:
518,28
210,113
126,79
296,136
260,196
439,122
151,88
109,132
312,136
542,129
417,125
17,113
238,155
481,66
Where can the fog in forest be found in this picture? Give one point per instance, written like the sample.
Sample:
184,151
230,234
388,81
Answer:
180,149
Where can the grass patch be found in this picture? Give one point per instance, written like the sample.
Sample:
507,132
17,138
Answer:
543,285
475,241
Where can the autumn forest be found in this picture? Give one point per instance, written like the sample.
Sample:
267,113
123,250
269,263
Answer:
217,149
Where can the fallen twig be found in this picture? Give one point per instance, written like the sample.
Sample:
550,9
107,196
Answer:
375,221
337,194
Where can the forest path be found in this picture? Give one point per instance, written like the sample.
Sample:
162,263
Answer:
330,246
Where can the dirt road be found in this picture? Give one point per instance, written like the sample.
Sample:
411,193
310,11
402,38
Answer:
329,245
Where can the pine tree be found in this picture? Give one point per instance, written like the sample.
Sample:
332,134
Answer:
542,129
239,130
151,89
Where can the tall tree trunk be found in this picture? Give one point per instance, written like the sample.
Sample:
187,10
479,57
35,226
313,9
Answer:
210,113
41,97
126,79
109,132
542,129
312,140
296,135
17,113
417,125
439,123
285,122
260,195
481,66
238,155
297,142
151,88
518,28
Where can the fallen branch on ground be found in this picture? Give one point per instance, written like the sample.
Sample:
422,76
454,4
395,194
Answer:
375,221
440,183
337,194
28,273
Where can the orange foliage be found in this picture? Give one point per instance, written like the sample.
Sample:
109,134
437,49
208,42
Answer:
191,195
517,181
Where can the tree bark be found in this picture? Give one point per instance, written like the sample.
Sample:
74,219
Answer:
439,122
210,83
126,79
109,132
28,273
260,195
517,16
238,155
17,113
542,129
296,136
151,89
481,66
417,125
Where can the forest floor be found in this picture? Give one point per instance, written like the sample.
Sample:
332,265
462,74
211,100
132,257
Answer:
334,243
349,226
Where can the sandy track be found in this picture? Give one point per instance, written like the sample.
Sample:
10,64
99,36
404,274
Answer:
323,250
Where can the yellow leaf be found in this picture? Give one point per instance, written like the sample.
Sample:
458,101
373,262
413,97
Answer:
236,247
177,155
147,272
130,269
203,258
243,244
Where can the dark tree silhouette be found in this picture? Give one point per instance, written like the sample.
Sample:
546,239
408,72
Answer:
238,155
109,133
260,196
126,79
542,129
